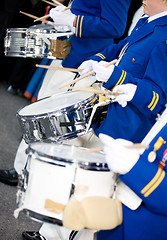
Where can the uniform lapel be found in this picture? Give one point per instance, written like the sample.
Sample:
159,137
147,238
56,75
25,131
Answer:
144,31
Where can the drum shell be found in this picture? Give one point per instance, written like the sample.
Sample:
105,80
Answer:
57,126
64,175
15,42
33,42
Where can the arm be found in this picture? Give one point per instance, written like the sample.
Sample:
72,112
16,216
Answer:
153,84
110,53
148,181
107,22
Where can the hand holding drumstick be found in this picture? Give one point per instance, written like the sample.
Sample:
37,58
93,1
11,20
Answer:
87,74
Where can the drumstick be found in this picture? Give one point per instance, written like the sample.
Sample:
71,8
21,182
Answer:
96,91
59,68
86,75
46,16
50,3
135,145
57,2
31,16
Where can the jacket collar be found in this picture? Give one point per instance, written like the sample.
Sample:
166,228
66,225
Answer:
142,32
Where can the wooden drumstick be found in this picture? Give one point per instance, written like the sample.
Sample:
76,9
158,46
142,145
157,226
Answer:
96,91
87,75
32,16
29,15
46,16
59,68
133,146
41,18
50,3
57,2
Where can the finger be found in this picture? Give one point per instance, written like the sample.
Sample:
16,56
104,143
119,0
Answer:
106,139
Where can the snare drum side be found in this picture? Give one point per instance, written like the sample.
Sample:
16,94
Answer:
15,42
66,122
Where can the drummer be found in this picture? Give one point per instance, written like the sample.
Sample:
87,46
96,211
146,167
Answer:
116,13
95,25
140,77
149,220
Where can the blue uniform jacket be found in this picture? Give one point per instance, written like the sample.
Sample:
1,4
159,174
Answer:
144,64
98,23
149,182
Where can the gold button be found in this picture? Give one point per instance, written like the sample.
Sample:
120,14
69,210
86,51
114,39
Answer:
133,59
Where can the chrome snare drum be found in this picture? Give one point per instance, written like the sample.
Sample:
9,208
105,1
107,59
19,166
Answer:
56,172
15,42
57,118
36,41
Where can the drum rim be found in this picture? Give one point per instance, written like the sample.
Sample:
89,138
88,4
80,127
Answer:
64,161
57,112
41,217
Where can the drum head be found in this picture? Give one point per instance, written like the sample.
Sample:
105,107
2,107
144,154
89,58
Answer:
48,28
41,28
61,154
58,102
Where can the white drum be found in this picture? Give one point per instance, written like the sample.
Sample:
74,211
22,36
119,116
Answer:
56,172
57,118
35,42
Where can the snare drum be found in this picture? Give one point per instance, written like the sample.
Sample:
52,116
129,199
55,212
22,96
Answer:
56,172
36,41
57,118
15,42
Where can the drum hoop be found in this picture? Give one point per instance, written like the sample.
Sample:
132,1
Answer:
63,162
37,29
57,112
14,29
41,218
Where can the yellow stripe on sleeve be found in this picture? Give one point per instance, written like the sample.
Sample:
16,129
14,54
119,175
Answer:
155,103
76,29
153,99
80,32
100,55
146,188
121,80
155,185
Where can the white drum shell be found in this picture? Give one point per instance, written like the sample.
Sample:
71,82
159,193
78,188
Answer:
58,174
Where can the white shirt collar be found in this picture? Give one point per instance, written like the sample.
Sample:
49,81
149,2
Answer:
151,18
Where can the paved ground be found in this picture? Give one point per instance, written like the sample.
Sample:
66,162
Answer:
10,135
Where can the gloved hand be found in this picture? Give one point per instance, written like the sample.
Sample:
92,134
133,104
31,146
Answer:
86,66
102,73
120,159
128,91
61,17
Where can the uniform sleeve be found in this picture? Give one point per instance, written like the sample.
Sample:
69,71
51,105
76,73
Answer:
110,24
110,53
149,180
153,84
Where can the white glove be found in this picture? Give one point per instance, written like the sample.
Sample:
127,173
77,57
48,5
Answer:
120,159
61,17
102,73
86,66
128,91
